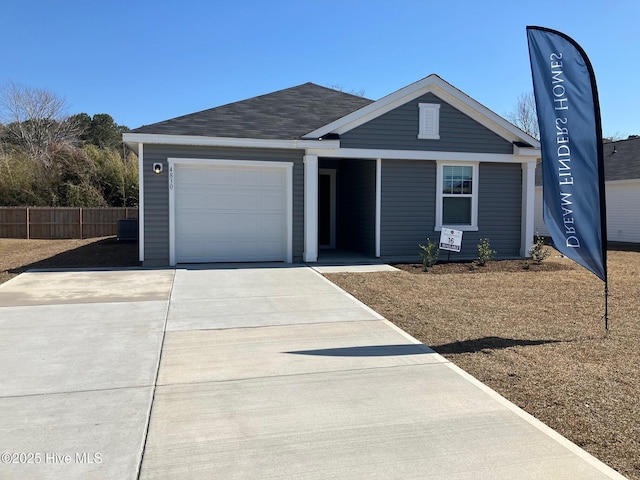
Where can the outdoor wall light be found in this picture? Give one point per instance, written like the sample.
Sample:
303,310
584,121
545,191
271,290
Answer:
157,168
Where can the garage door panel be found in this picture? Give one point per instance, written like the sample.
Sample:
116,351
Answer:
247,177
229,214
231,201
273,179
272,201
219,176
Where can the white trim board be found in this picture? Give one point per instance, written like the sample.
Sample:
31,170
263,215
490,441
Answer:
140,202
133,139
373,154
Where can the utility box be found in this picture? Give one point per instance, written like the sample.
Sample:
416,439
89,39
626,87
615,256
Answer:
127,229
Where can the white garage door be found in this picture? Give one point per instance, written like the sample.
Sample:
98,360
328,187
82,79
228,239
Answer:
229,213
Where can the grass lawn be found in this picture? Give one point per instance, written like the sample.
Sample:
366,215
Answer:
534,335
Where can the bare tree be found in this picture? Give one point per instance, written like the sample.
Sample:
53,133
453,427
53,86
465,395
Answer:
524,115
35,119
340,88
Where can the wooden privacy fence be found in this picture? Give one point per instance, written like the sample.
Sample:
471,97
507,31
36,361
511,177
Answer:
61,222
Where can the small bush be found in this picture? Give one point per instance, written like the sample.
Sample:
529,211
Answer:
429,254
484,252
538,251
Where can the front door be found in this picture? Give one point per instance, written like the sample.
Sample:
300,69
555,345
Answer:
327,208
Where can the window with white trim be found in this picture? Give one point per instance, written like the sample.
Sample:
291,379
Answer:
429,127
457,196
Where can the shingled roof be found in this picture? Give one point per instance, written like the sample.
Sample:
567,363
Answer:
283,115
621,161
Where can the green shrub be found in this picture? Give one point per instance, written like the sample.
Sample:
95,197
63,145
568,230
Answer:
538,251
484,252
429,254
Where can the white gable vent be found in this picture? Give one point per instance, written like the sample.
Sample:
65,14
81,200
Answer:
429,121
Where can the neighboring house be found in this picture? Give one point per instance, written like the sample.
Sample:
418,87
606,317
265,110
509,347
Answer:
281,176
622,187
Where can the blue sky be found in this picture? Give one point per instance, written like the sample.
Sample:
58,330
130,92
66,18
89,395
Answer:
147,61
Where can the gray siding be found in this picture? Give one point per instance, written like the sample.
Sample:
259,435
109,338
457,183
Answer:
408,210
156,192
408,204
398,130
500,207
356,205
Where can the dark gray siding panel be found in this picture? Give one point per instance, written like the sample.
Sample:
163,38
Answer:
356,205
156,192
500,207
398,130
408,210
408,206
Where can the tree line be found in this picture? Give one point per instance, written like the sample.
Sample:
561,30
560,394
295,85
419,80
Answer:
49,158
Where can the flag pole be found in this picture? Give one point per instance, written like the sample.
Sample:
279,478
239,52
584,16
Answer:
606,306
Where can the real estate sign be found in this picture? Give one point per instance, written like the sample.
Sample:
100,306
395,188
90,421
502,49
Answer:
450,240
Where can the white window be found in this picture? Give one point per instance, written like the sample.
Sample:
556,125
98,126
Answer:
429,121
457,196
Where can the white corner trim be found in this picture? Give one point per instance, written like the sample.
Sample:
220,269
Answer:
140,203
289,200
172,211
528,208
151,138
310,208
287,166
378,204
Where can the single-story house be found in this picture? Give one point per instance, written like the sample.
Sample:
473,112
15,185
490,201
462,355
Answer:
622,192
282,176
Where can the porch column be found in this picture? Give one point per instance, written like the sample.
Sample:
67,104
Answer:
528,203
310,208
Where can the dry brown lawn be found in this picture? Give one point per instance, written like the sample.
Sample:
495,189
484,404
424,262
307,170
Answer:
536,336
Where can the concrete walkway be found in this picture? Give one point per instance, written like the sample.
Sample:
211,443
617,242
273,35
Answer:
243,372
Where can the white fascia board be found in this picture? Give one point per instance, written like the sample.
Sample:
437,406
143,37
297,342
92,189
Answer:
431,84
527,151
418,155
151,138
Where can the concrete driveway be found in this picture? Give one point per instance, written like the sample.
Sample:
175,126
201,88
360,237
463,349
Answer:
243,372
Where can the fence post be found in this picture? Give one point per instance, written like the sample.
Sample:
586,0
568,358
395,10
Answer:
80,214
28,219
